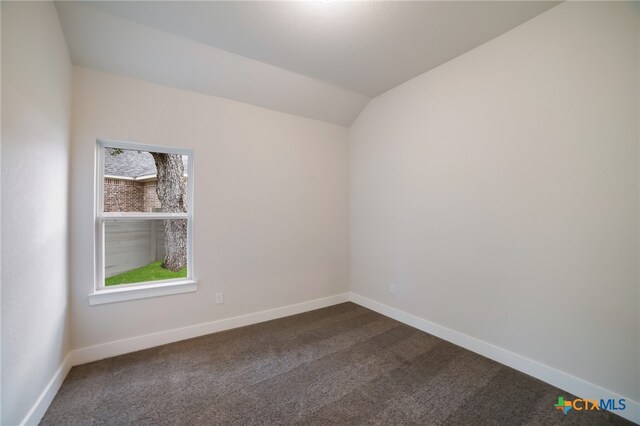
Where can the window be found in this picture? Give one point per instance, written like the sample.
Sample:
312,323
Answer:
144,221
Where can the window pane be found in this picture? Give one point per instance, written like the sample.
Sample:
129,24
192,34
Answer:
136,250
132,182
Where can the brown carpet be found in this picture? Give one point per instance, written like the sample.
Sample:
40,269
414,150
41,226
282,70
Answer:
343,365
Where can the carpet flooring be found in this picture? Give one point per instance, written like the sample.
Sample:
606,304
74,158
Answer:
341,365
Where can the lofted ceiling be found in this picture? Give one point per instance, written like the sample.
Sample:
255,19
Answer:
319,59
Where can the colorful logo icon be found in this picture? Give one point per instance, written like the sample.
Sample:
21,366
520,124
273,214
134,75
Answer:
563,405
582,404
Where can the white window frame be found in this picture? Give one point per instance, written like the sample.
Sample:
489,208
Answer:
103,294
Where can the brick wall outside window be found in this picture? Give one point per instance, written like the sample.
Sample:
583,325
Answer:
123,195
131,196
150,196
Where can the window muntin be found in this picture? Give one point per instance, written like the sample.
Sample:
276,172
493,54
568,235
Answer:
143,212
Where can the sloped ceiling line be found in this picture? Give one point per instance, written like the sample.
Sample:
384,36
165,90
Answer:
317,59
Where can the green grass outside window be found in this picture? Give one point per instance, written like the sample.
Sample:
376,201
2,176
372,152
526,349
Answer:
151,272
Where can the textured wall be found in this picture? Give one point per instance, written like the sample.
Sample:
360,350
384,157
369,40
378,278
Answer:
499,192
271,203
36,93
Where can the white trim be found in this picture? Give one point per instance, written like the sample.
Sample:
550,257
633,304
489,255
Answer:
550,375
135,146
190,211
545,373
38,409
137,343
146,177
143,216
137,178
101,294
132,344
119,177
142,291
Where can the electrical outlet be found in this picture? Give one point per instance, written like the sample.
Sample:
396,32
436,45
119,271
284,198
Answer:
219,298
392,288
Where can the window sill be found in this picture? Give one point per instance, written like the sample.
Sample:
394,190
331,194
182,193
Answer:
141,292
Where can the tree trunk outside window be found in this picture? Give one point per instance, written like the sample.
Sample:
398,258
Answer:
171,192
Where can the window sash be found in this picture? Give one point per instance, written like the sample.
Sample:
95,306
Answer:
142,215
101,216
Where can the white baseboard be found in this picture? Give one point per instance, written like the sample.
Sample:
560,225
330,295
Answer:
550,375
38,409
554,377
132,344
120,347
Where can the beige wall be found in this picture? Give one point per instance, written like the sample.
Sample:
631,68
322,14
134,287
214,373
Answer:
271,203
499,192
36,93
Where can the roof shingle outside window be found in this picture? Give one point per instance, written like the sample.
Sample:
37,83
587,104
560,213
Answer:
131,164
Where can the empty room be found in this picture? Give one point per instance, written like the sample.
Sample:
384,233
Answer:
320,213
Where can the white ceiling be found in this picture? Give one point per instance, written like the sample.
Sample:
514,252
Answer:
319,59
